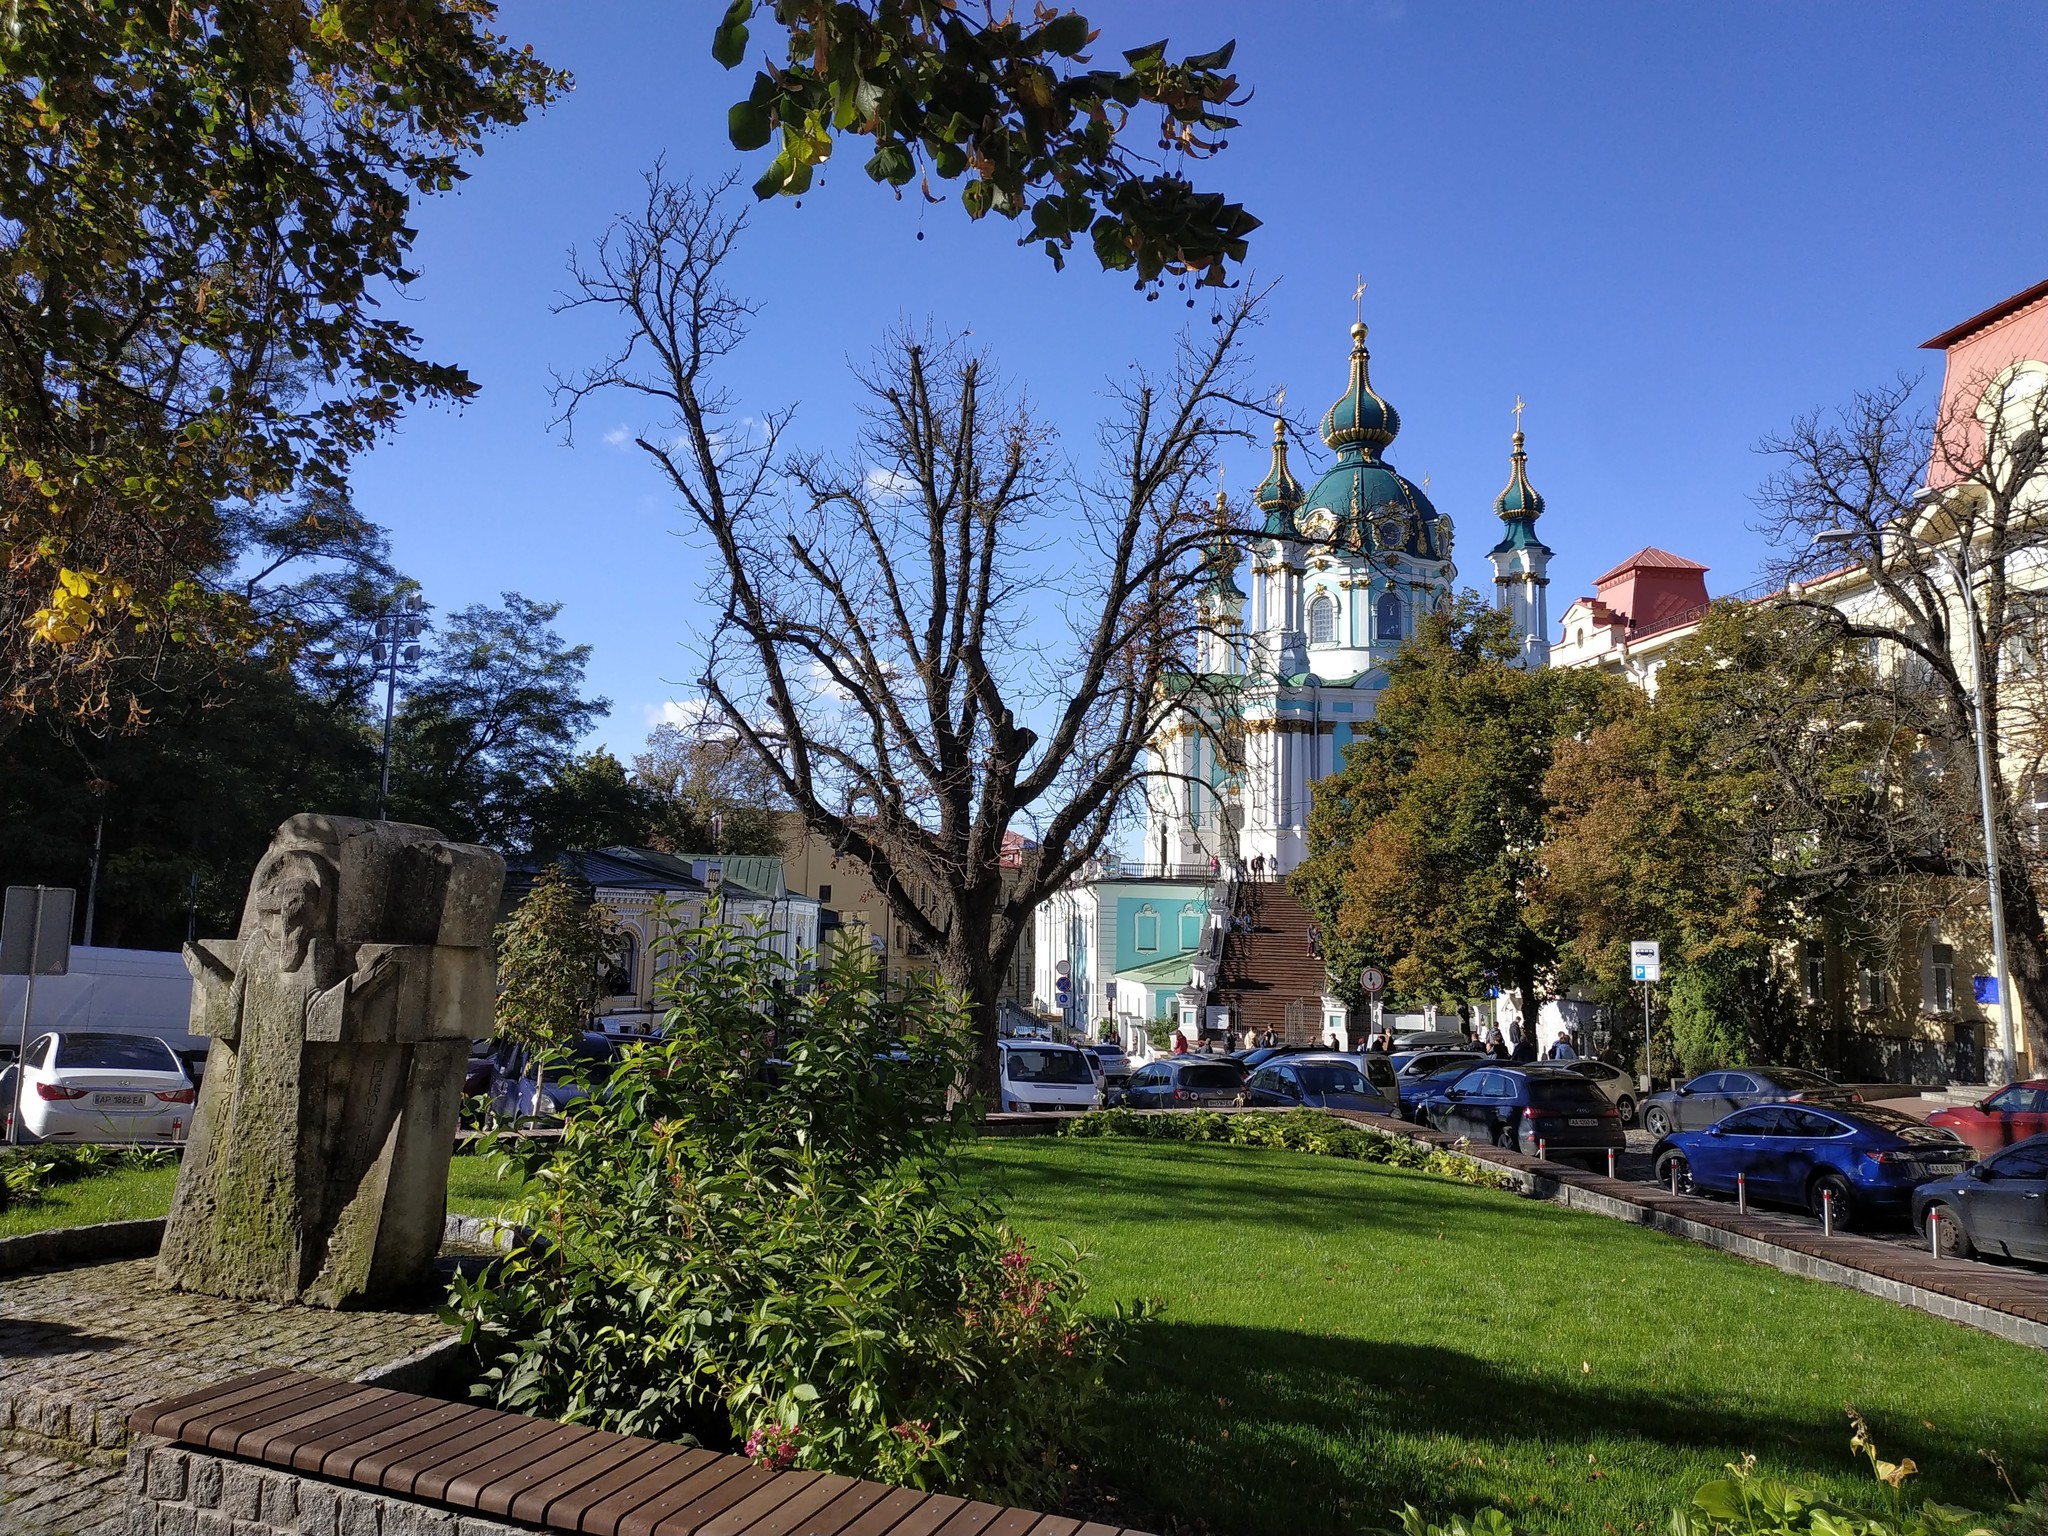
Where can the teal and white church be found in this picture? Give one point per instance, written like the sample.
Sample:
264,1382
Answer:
1339,576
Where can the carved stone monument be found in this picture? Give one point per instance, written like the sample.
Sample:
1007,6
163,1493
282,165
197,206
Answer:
340,1020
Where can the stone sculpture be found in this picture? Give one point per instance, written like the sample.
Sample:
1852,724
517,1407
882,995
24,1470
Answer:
339,1022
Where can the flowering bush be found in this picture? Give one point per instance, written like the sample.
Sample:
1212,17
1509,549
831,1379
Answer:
1297,1130
751,1237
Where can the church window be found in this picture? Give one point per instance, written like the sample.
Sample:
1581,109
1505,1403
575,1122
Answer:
1147,934
1322,621
1387,621
1190,926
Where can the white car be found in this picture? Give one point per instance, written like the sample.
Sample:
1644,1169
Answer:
1042,1075
91,1085
1617,1086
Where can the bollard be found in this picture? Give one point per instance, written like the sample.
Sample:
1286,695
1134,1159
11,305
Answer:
1827,1213
1542,1151
1742,1193
1610,1162
1934,1232
1674,1176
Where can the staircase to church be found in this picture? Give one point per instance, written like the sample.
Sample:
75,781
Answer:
1267,965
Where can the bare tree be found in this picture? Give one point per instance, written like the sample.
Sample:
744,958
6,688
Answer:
951,632
1944,515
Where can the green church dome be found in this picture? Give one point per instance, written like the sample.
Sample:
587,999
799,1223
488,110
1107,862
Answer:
1279,494
1363,503
1519,506
1360,417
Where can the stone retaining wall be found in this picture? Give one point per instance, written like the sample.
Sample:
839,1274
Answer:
177,1491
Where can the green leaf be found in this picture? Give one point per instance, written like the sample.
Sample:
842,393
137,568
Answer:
729,42
892,163
1721,1499
1066,35
749,125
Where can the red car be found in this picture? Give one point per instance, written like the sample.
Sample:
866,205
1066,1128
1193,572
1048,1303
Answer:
2014,1113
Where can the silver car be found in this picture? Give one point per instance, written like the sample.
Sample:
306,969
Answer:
1616,1086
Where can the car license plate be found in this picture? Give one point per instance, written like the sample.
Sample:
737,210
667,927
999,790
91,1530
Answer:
117,1100
1582,1122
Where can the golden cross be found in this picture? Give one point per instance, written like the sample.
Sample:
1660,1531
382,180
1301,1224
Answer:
1358,295
1280,400
1518,413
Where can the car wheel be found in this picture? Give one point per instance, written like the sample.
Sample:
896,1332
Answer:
1675,1162
1657,1120
1845,1208
1952,1236
1625,1106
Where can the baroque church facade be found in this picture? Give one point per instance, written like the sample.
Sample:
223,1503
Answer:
1340,575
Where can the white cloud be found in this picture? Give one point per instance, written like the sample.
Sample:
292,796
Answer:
888,482
618,436
681,712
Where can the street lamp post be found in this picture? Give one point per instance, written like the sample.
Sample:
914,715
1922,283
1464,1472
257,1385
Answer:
398,633
1958,563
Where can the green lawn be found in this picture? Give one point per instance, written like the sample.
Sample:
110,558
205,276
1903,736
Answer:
473,1190
1339,1339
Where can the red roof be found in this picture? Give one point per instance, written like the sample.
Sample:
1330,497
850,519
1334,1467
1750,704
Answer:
1651,559
1989,317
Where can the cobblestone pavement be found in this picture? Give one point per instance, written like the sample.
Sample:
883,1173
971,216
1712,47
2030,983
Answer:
81,1348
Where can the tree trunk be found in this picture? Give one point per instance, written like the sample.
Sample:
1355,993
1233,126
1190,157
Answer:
1525,988
2026,953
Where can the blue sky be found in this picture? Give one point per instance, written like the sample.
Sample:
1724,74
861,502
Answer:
1668,228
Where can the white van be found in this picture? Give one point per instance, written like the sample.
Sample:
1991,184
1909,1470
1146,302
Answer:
1043,1075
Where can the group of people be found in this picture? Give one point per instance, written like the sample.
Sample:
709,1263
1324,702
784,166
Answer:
1522,1047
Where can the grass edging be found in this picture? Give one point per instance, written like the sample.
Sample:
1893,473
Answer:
1313,1131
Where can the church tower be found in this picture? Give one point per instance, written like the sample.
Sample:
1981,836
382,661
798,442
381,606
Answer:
1521,560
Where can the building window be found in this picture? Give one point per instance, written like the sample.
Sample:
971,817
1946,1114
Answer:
1873,987
1148,932
1388,618
1814,970
824,893
620,967
1940,989
1190,927
1322,621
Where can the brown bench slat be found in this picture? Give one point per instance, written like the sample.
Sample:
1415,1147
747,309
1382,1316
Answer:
883,1514
685,1516
927,1517
354,1462
496,1497
973,1520
1057,1525
1013,1522
233,1395
467,1486
402,1471
518,1437
758,1505
146,1420
1097,1528
374,1466
798,1512
255,1442
563,1497
312,1451
707,1476
604,1517
219,1429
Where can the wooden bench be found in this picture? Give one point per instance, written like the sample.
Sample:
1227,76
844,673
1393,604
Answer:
483,1461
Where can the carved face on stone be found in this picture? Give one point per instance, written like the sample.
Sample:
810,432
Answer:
295,903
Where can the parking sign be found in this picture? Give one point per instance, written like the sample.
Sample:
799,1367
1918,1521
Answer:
1643,962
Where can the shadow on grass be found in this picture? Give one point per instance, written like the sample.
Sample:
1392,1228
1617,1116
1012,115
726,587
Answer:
1250,1431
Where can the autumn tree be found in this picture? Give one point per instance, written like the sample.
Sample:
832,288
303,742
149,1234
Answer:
711,793
1425,847
947,633
1009,105
204,209
1942,517
553,953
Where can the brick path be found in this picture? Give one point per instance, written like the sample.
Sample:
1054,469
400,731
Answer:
83,1347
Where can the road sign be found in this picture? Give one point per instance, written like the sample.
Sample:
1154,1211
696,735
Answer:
1643,961
1373,979
1109,990
35,940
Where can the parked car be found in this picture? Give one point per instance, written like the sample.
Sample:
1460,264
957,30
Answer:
1430,1039
1617,1085
2013,1114
1713,1096
476,1072
1045,1075
1182,1082
1997,1206
521,1089
1427,1073
1328,1081
89,1085
1529,1107
1868,1157
1116,1065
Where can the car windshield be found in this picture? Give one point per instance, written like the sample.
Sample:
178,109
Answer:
1029,1065
1207,1077
1796,1080
1328,1077
118,1053
1565,1093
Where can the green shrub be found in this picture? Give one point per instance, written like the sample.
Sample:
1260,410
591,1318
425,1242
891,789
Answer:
751,1237
1295,1130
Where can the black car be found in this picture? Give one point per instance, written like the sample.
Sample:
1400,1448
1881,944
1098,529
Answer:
1529,1106
1997,1206
1695,1105
1328,1081
1184,1082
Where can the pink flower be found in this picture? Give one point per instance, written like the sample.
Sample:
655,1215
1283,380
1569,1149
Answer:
773,1446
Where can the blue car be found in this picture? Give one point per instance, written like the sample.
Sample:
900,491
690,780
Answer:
1418,1074
1869,1158
520,1090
